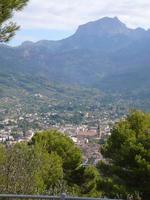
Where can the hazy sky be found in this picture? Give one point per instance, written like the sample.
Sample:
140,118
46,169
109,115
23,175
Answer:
56,19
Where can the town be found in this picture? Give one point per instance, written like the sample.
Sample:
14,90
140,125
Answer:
88,129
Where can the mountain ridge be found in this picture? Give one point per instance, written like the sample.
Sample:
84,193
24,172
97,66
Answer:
138,29
115,62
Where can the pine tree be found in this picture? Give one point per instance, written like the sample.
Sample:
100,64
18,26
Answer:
7,9
127,152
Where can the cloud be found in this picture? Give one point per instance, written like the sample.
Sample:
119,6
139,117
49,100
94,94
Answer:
69,14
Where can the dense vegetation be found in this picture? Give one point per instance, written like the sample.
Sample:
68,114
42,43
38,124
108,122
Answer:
127,152
51,163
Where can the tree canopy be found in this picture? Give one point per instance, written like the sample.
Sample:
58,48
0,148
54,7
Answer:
127,153
54,141
50,164
28,170
7,9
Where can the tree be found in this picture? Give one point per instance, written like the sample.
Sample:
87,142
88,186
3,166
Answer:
28,170
7,9
50,164
46,165
90,181
2,162
62,145
17,170
127,152
86,180
53,141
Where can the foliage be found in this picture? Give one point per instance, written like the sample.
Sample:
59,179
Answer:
127,153
31,169
90,181
53,141
7,9
26,170
50,164
85,180
62,145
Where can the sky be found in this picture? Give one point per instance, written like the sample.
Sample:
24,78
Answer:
58,19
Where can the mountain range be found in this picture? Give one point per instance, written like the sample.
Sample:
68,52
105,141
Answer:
103,54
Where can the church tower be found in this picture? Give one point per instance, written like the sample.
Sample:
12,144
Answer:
99,130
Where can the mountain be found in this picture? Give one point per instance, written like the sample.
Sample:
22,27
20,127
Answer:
103,54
